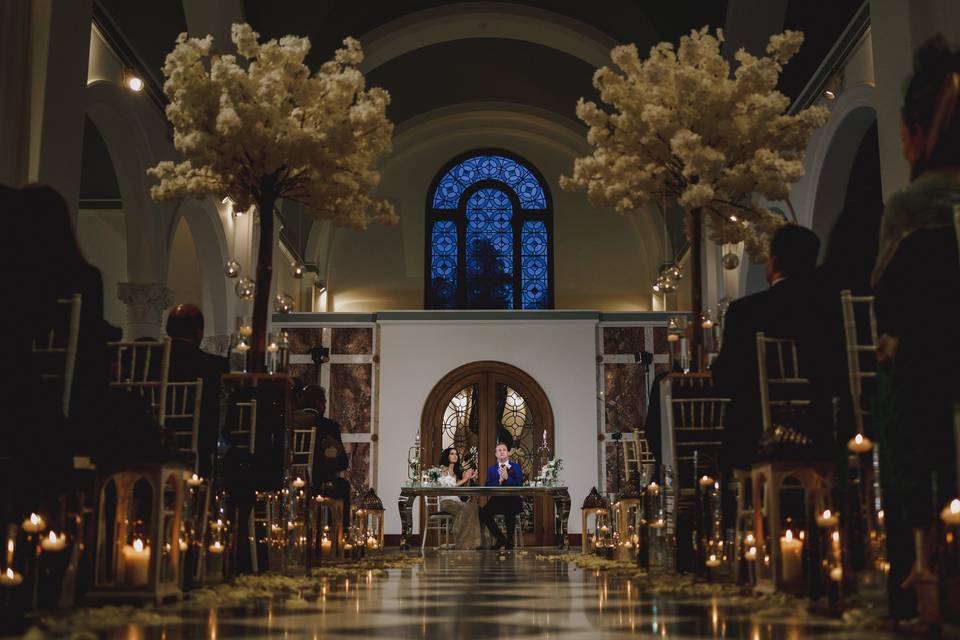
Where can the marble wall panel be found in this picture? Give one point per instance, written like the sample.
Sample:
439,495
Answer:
610,454
660,344
302,339
352,341
358,473
623,339
306,373
625,397
349,396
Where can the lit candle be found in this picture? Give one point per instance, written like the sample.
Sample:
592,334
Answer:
33,524
326,546
951,513
347,546
53,542
194,481
136,561
706,481
372,543
183,544
751,554
707,323
672,337
628,545
272,347
859,444
828,518
836,574
658,524
246,330
216,548
749,540
10,578
713,561
653,488
298,483
791,561
11,545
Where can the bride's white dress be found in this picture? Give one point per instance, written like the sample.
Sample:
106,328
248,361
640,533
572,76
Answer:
466,517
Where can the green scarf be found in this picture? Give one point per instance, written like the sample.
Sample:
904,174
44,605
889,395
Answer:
927,203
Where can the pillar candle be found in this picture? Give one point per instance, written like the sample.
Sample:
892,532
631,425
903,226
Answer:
791,562
136,562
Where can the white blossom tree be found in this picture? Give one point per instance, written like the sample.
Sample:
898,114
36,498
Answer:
259,126
681,128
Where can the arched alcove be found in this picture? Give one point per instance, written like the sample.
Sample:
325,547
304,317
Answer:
183,268
479,404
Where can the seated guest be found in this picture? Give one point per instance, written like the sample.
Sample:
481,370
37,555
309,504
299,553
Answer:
187,363
329,455
502,474
466,519
787,309
917,284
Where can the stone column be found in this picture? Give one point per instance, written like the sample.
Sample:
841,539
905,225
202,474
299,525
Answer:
145,306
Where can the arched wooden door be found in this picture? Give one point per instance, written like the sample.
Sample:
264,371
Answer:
480,404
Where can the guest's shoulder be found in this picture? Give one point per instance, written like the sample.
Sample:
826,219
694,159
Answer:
746,304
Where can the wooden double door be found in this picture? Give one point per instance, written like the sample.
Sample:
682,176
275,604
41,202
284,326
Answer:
480,404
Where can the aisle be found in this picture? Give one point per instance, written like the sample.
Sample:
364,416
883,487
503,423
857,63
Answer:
481,595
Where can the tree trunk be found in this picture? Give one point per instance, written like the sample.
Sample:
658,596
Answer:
696,291
261,299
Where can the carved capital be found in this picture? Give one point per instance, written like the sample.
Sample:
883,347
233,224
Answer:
145,302
217,345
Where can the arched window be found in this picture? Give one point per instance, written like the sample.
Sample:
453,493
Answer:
489,225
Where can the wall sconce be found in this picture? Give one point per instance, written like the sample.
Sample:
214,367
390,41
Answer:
834,85
132,81
319,284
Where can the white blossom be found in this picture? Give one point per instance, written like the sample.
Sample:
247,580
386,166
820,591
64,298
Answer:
260,124
680,127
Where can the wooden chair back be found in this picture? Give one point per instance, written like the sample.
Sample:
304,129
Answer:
143,367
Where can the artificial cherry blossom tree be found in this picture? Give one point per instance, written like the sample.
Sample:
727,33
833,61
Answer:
259,126
681,128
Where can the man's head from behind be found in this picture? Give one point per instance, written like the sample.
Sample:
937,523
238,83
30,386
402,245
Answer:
185,322
793,252
502,452
314,397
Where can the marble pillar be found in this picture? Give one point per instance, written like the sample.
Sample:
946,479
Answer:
145,306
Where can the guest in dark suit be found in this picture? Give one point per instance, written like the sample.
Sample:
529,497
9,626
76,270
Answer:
329,456
502,474
788,309
187,363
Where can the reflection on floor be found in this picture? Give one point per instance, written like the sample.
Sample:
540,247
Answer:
482,595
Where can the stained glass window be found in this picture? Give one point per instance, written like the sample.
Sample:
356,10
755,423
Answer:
489,242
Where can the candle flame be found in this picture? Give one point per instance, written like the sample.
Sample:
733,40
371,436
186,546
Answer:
713,556
52,536
858,438
10,546
826,514
835,536
138,545
955,505
10,573
788,535
34,519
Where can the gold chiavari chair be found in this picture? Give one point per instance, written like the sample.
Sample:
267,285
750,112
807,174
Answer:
143,367
182,417
56,356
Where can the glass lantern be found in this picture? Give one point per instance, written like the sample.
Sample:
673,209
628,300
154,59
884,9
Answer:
273,354
370,518
593,505
138,533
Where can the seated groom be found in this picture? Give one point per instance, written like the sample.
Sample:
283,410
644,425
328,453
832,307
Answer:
502,474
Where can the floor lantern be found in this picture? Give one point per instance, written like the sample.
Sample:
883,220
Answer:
627,518
597,506
138,533
370,515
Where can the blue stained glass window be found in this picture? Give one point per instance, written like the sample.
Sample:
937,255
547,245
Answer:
489,236
534,265
443,264
489,167
489,250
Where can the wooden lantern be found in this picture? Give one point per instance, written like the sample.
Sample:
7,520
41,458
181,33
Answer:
138,533
782,549
597,506
370,520
628,518
327,525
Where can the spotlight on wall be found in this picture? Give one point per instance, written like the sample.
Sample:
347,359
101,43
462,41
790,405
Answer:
320,285
834,85
132,81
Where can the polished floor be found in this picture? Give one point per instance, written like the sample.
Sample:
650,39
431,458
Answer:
483,595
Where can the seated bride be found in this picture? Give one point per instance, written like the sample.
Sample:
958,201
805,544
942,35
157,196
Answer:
466,518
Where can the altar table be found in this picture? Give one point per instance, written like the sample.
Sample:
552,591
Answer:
560,495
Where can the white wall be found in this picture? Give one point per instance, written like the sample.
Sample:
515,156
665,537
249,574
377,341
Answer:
102,234
559,354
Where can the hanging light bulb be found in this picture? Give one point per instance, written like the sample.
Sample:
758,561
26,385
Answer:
231,269
245,288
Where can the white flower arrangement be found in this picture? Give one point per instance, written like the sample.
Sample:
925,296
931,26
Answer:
258,126
433,474
682,128
550,473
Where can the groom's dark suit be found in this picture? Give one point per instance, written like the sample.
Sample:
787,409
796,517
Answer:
509,507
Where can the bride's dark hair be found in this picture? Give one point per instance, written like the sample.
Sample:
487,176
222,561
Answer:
930,103
445,462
